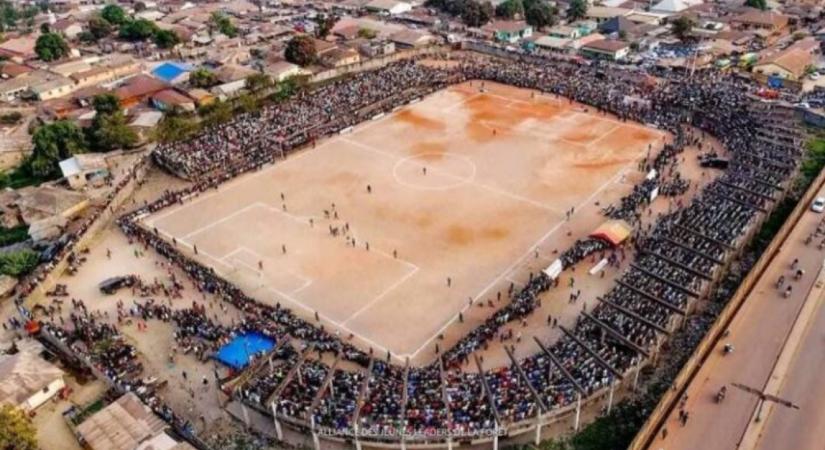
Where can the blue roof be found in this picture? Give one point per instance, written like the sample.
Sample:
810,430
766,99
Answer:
239,351
168,71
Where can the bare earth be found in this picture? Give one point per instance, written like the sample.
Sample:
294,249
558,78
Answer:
502,167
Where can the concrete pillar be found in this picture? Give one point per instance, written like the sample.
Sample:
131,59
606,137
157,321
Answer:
578,411
245,414
278,431
610,396
315,441
538,429
636,376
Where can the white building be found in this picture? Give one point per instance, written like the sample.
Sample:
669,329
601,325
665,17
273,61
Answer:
391,7
27,380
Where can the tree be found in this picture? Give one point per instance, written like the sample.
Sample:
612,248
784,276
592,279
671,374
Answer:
114,14
258,82
223,24
139,6
18,263
51,46
99,27
577,10
682,27
166,39
106,104
16,430
759,4
53,143
175,127
9,15
324,24
366,33
477,14
300,50
540,15
216,113
510,9
109,130
137,30
202,78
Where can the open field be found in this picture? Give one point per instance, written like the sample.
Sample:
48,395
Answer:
438,203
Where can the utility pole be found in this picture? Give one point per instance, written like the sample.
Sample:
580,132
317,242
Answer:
763,397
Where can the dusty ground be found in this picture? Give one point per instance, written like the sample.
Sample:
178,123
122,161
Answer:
502,168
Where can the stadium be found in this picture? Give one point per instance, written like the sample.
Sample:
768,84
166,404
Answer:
458,250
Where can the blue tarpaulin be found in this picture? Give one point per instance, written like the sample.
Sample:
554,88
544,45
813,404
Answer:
168,71
239,351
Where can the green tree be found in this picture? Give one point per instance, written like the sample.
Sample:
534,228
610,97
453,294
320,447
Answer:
300,50
137,30
366,33
202,78
247,103
175,127
53,143
476,14
109,130
216,113
510,9
16,430
99,27
540,15
577,10
682,27
140,6
759,4
114,14
166,39
18,263
258,82
222,23
324,24
9,15
51,46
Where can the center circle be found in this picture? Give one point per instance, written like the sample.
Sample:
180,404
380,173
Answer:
434,171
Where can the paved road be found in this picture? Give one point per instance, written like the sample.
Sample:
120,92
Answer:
758,333
803,385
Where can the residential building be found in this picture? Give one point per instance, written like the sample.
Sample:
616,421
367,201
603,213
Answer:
755,19
28,381
610,49
510,31
388,7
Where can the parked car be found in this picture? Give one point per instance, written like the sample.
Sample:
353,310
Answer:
818,205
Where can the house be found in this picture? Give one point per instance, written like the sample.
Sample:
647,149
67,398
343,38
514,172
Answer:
755,19
110,69
202,97
340,56
170,99
552,43
789,64
601,14
28,381
53,88
19,49
281,70
564,32
610,49
411,39
9,69
68,27
121,425
388,7
673,6
137,89
172,72
510,31
38,203
619,25
82,168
